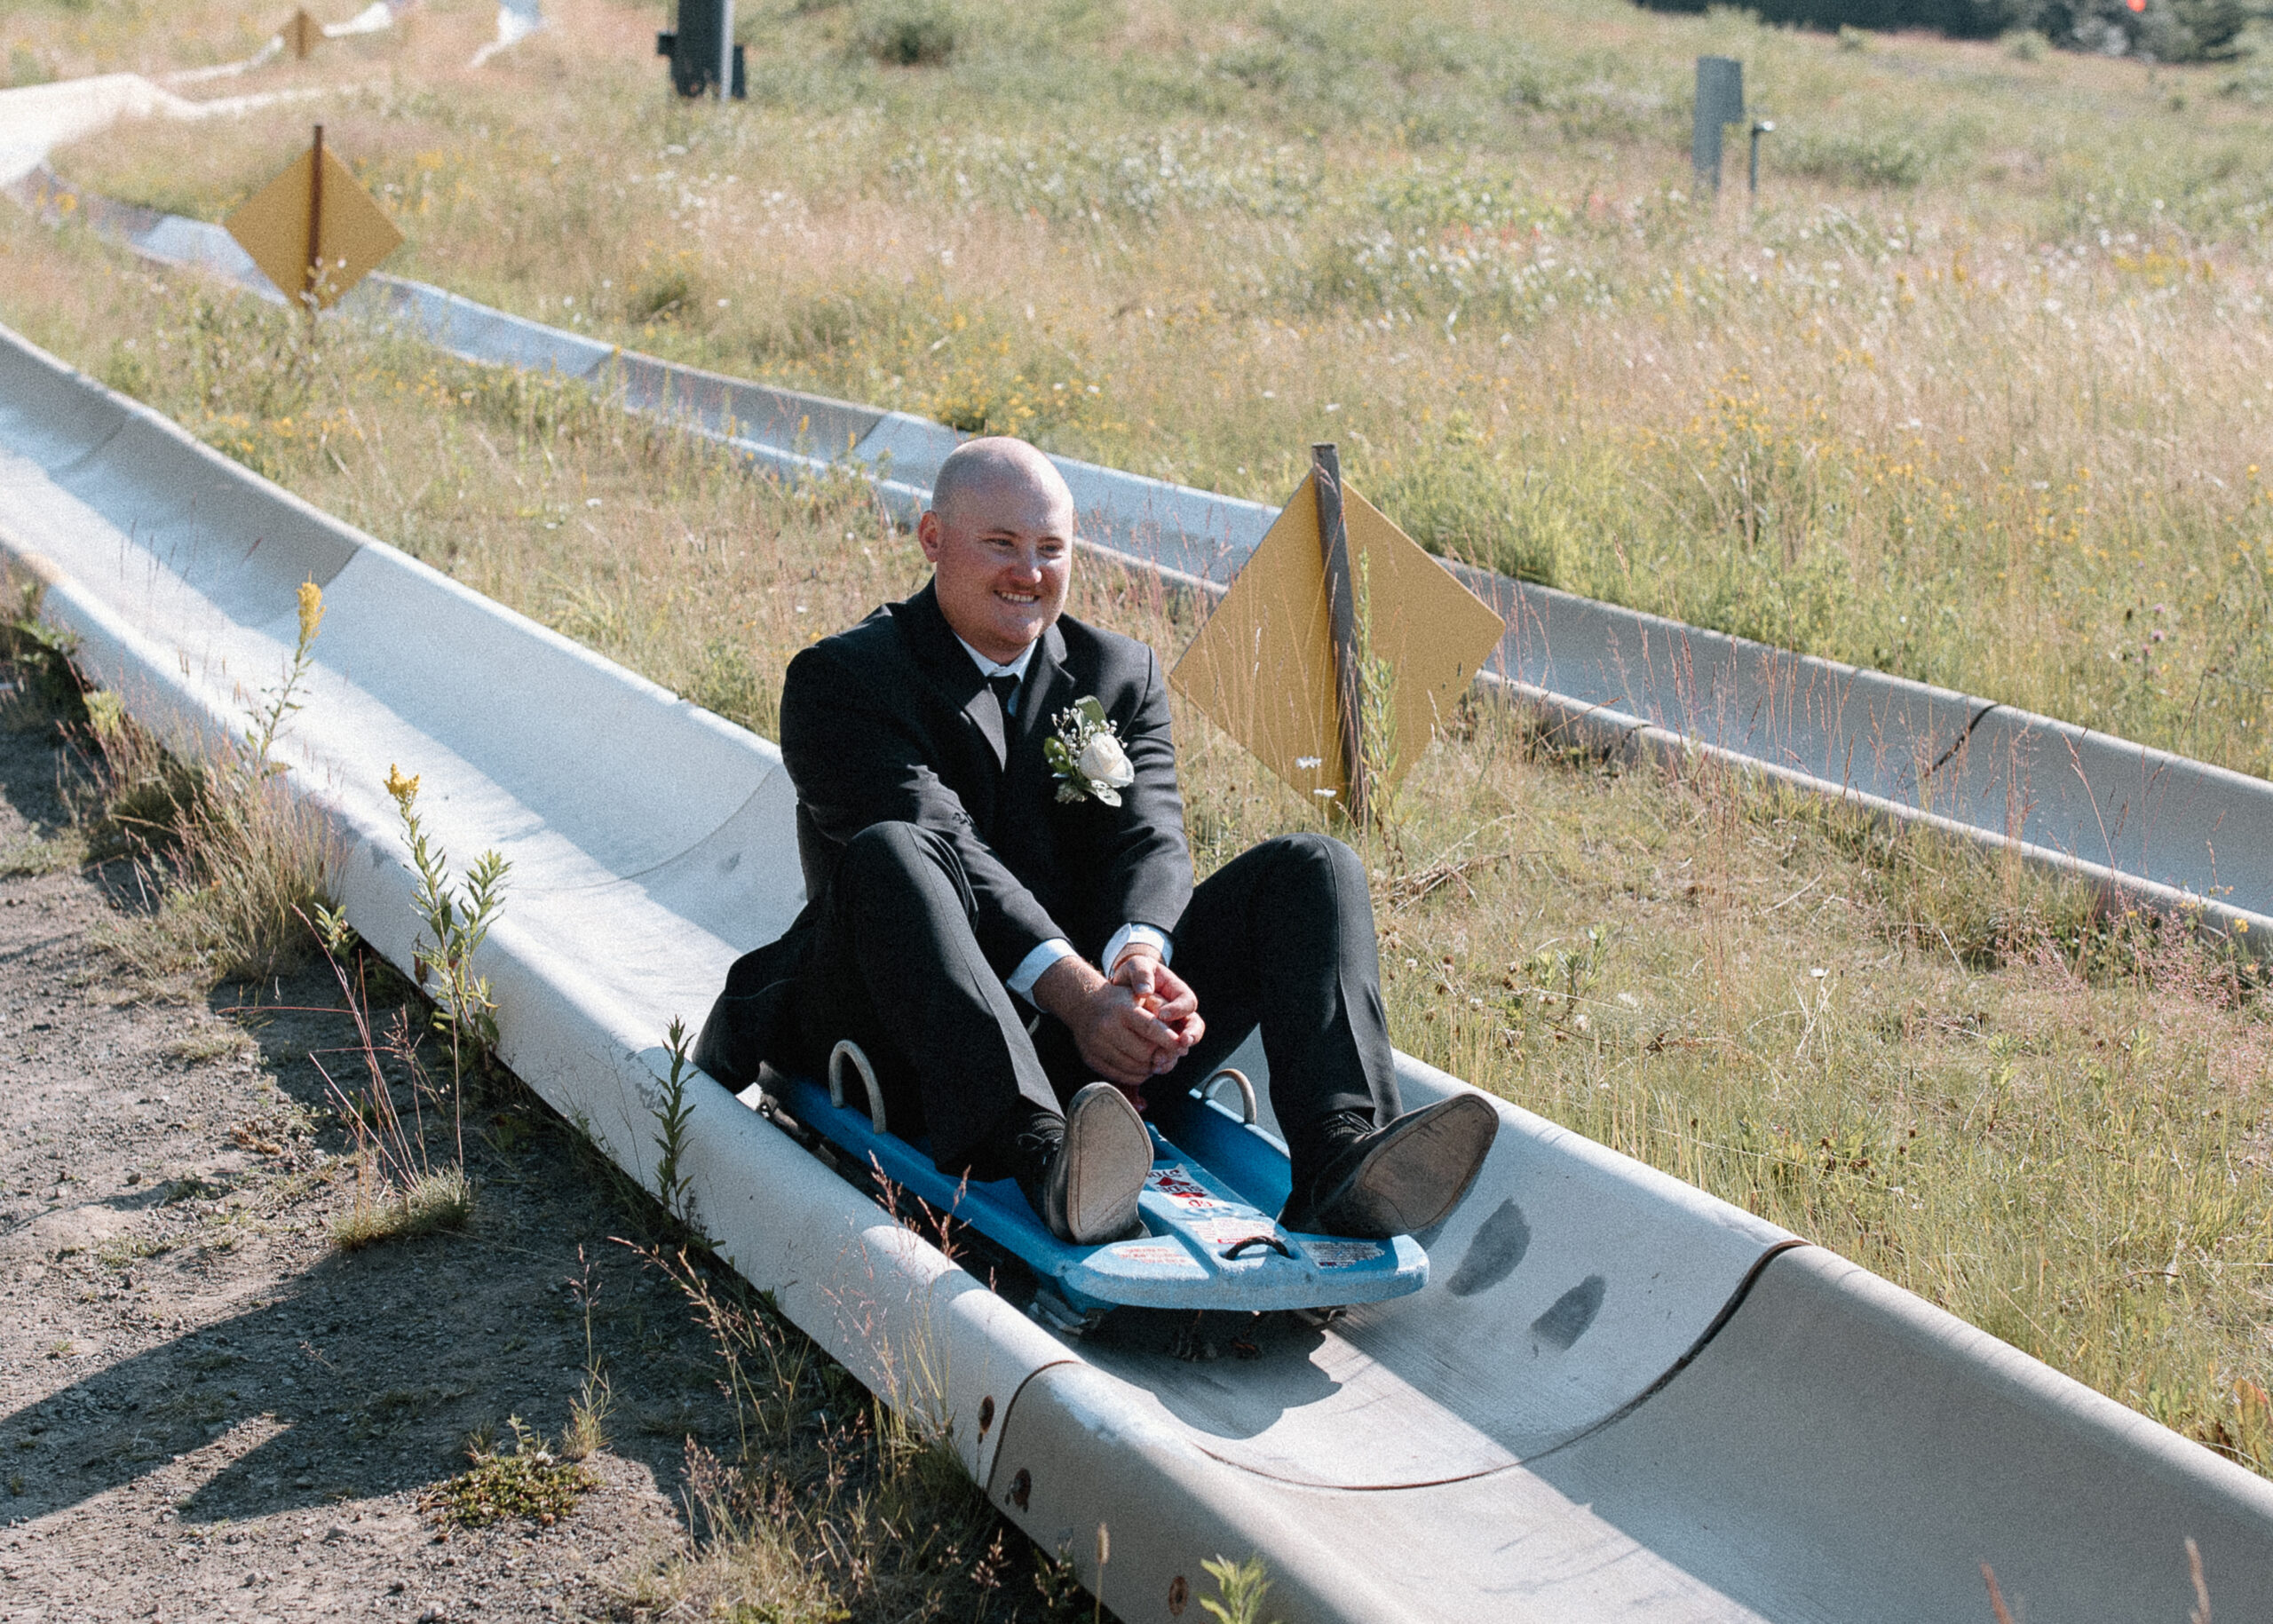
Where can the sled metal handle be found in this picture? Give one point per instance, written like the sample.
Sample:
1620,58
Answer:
1239,1248
1247,1091
847,1050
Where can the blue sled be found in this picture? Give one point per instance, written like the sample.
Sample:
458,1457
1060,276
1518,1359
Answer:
1210,1242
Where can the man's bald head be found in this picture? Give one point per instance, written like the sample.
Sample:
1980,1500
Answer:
993,468
1000,537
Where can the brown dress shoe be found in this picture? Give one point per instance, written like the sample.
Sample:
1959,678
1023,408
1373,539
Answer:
1089,1188
1395,1180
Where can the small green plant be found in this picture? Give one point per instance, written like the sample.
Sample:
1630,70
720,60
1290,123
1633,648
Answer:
455,927
1241,1586
332,930
38,655
1555,978
586,1434
436,1200
530,1482
673,1112
908,33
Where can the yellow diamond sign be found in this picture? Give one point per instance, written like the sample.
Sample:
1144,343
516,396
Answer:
1263,668
313,231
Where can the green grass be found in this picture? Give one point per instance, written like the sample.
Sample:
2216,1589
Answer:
1974,396
529,1484
434,1201
1957,1101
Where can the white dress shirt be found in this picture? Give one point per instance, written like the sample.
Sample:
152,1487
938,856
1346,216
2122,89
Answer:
1030,968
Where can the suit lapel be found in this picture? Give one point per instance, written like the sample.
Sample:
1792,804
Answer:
948,665
1046,690
985,713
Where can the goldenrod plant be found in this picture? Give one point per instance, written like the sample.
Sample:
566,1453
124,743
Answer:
454,924
235,864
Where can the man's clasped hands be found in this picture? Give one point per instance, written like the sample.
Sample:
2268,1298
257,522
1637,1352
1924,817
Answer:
1130,1027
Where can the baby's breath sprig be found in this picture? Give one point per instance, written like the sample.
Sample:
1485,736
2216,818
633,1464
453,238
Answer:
1085,755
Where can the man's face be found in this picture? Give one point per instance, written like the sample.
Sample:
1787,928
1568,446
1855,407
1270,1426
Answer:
1002,556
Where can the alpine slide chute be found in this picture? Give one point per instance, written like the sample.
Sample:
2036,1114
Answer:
1619,1396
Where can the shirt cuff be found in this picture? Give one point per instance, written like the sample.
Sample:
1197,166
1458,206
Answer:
1129,933
1030,968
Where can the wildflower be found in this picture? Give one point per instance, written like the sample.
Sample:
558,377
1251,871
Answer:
310,611
405,790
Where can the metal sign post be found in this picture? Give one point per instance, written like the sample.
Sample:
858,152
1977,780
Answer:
314,291
723,85
1720,102
1349,652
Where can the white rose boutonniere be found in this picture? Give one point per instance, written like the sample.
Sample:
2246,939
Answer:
1086,756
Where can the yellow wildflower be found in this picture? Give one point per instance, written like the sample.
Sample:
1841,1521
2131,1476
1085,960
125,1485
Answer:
405,790
310,611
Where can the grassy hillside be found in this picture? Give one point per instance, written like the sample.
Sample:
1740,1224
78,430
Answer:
1977,394
1960,399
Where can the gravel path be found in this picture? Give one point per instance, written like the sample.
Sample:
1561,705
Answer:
206,1410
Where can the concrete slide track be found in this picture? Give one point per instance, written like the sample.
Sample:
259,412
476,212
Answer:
1620,1397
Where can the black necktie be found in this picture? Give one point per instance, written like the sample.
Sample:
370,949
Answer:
1005,685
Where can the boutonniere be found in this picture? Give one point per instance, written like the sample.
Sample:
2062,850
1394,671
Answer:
1086,756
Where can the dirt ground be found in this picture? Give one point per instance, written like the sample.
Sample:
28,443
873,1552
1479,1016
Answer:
206,1410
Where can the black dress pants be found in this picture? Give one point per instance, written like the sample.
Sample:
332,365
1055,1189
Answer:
1281,936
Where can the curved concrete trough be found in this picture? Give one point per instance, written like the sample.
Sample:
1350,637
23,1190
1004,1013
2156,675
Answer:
1618,1398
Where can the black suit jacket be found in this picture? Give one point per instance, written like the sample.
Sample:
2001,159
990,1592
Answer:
892,721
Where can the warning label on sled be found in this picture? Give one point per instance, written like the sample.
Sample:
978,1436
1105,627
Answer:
1340,1254
1179,1186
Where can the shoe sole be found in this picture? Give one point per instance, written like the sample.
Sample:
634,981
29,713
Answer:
1413,1182
1111,1153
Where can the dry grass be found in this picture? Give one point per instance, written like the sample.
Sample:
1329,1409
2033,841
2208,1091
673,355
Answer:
1977,396
383,1210
228,866
1958,1100
833,1506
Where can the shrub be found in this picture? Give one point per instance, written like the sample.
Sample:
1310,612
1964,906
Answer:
908,33
2164,30
1959,19
1873,159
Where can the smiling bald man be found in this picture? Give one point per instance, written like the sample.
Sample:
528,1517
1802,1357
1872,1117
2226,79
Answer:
1019,948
